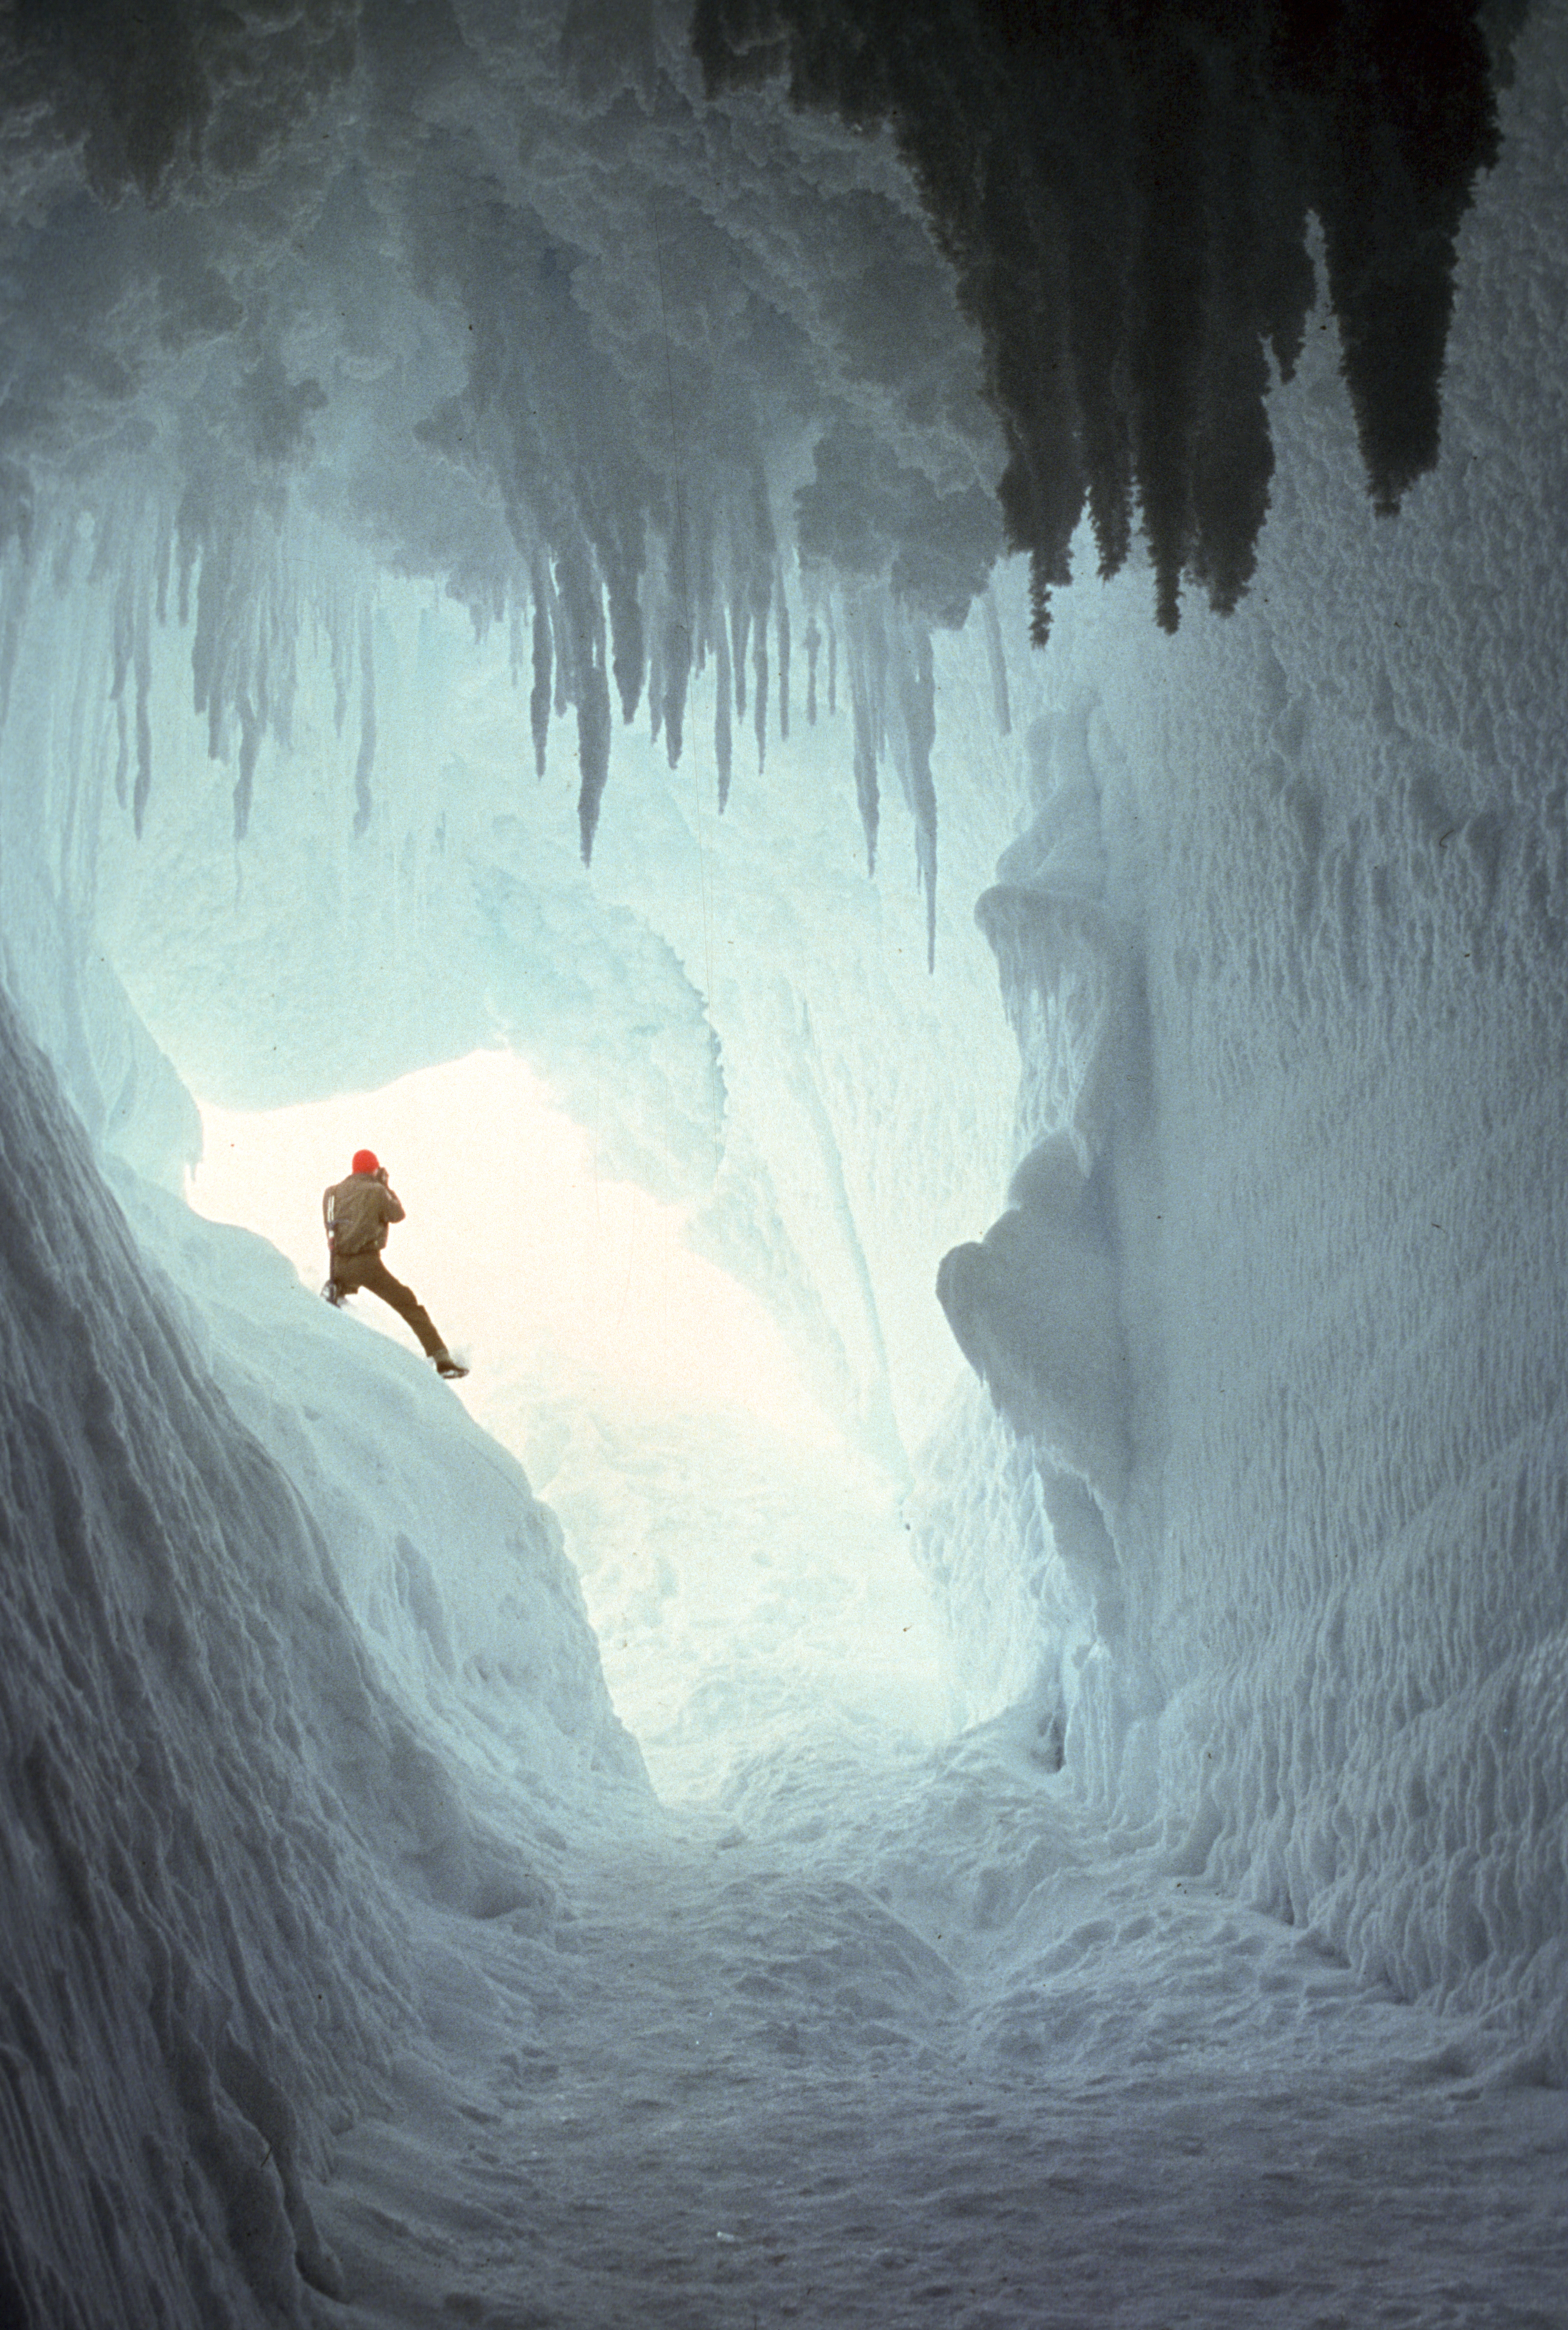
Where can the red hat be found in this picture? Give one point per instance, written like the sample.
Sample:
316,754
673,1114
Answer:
365,1161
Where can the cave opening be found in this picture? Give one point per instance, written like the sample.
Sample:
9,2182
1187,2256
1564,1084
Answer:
987,1747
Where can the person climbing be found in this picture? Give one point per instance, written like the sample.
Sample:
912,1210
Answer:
358,1213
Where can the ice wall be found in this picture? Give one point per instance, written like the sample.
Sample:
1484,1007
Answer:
741,1017
284,1635
1320,1137
1266,1516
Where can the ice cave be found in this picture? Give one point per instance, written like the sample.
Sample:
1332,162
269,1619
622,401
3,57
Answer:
883,693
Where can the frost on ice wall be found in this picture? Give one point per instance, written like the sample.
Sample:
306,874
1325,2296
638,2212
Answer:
1318,1628
397,398
242,1724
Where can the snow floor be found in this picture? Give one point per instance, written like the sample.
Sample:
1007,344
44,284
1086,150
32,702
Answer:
900,2038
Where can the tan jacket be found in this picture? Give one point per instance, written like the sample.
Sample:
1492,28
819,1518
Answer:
358,1213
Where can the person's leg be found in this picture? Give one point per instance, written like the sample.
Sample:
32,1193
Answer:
372,1273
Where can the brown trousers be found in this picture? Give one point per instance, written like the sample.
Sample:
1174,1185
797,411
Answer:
353,1271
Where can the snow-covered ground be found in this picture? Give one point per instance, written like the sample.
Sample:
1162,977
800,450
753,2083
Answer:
960,2061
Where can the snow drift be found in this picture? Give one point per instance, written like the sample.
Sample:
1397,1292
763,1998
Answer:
474,386
223,1771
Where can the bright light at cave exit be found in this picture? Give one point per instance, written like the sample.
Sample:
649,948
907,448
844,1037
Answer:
742,1562
527,1257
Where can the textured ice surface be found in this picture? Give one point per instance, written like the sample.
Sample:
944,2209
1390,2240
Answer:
337,1916
1331,1655
263,1690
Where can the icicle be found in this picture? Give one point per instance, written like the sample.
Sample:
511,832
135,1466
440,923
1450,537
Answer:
161,560
365,763
592,751
914,686
190,535
658,620
207,649
677,676
813,645
705,591
565,658
760,691
722,746
764,560
283,632
675,637
122,639
875,639
250,745
582,677
762,594
627,644
783,659
832,664
866,736
997,660
539,699
739,631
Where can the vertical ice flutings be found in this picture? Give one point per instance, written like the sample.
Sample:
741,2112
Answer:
594,345
1123,192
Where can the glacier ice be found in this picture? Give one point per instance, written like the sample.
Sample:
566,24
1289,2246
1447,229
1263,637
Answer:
443,446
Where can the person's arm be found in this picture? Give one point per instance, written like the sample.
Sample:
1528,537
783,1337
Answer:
393,1209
